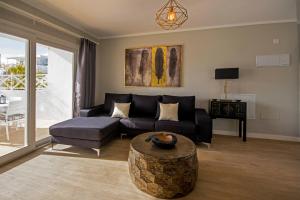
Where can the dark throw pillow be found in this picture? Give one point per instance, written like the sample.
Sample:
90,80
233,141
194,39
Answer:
144,106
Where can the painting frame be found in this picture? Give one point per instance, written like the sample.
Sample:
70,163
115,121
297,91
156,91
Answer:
162,69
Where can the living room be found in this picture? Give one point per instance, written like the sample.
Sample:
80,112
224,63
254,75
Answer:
213,86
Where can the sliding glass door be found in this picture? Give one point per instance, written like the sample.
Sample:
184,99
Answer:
13,93
32,96
54,81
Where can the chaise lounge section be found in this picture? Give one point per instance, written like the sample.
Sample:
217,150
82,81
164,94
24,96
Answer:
92,132
95,127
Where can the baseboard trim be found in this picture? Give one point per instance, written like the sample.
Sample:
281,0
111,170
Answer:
259,136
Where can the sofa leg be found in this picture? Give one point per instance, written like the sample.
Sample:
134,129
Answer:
207,144
98,152
122,135
52,144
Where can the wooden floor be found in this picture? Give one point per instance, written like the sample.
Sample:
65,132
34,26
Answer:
230,169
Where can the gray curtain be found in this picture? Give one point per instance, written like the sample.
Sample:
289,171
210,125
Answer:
85,76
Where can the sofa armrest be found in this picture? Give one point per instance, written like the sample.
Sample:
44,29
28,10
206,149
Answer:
203,125
93,111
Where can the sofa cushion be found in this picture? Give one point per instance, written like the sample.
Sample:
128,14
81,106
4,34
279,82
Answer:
180,127
121,110
111,98
168,111
146,124
144,106
85,128
186,110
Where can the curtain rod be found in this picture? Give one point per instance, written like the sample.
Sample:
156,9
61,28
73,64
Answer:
36,18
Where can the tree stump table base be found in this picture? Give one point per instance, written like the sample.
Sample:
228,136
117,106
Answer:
163,173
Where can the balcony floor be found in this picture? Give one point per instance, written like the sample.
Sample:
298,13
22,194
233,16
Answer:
16,140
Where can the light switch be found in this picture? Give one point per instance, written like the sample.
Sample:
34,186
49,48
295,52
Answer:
276,41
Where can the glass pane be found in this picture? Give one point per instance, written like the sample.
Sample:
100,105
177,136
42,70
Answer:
54,72
13,86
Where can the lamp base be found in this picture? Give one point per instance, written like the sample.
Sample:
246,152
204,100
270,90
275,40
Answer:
225,88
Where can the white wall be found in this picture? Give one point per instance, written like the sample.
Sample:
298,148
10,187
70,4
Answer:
276,88
55,102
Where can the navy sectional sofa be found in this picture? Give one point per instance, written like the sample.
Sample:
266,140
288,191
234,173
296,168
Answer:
95,127
193,122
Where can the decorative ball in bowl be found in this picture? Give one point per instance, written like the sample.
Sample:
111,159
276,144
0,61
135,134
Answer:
163,140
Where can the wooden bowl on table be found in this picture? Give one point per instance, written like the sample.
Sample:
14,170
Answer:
163,140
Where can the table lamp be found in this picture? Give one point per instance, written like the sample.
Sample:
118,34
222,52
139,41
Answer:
226,73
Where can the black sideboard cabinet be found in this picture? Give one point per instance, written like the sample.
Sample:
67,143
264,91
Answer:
230,109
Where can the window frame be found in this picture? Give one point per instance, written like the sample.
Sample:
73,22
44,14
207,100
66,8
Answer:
33,37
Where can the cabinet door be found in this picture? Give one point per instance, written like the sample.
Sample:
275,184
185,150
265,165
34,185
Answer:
224,109
215,108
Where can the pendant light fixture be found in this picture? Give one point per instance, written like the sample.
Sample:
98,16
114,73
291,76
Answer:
171,16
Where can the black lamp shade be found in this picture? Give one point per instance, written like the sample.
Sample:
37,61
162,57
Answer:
227,73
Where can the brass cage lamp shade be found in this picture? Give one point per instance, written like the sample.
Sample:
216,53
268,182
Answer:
171,16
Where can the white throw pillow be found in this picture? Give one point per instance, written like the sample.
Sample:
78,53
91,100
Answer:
168,111
121,110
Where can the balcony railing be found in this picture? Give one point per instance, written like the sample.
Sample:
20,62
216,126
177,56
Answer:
17,82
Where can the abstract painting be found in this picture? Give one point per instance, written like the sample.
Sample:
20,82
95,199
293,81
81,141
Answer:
157,66
138,67
173,66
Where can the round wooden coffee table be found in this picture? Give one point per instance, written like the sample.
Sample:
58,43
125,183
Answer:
163,173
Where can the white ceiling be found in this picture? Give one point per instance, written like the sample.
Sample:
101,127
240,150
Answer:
109,18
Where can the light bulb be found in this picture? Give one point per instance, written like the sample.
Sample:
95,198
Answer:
171,15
